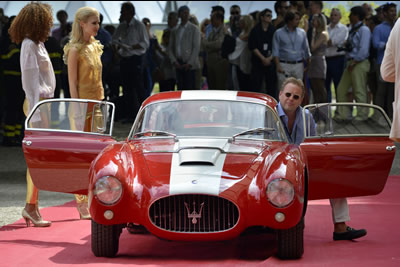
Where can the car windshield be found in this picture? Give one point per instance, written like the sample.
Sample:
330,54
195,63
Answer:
205,118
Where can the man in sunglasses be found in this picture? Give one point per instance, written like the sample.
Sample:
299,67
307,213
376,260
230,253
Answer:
233,24
290,112
281,7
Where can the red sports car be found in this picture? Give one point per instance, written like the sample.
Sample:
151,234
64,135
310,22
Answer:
204,165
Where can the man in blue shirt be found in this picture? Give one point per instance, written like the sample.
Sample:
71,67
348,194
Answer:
355,74
290,49
290,112
384,95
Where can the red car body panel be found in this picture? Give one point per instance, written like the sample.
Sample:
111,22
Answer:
243,186
60,161
364,162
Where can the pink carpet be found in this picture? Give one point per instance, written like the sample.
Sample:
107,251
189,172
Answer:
67,241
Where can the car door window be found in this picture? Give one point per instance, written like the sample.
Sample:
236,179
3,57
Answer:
89,116
327,124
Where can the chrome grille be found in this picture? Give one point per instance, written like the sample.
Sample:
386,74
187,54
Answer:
194,214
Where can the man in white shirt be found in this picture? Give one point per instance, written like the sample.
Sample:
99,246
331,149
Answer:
132,42
183,50
335,60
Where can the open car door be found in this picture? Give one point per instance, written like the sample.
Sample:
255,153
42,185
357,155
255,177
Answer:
62,138
350,157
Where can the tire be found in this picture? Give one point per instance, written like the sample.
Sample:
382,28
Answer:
105,239
291,242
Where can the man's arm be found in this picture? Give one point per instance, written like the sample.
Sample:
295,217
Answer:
365,41
144,42
195,48
275,51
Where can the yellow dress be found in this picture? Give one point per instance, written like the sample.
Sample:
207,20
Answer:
90,85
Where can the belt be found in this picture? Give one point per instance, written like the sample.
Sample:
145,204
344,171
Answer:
351,58
291,62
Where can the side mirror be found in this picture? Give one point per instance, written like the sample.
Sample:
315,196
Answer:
99,118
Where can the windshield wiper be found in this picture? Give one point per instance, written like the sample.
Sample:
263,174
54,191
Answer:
259,130
154,133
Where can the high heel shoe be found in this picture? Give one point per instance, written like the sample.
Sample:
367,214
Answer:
83,211
36,222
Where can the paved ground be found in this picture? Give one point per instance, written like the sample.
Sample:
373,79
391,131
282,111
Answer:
13,183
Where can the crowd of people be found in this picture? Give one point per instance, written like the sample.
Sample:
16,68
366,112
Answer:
253,52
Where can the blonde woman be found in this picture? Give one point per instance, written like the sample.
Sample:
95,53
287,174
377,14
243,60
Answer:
32,27
82,55
317,67
241,57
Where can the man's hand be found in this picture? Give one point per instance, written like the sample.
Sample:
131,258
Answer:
177,65
266,61
279,69
352,65
186,67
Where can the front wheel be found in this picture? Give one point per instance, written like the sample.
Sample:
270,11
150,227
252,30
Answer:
105,239
291,241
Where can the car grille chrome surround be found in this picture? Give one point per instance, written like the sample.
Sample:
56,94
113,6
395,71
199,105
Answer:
194,214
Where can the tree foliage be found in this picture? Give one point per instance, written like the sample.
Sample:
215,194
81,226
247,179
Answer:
344,9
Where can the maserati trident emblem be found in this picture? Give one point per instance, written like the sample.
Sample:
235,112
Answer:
194,215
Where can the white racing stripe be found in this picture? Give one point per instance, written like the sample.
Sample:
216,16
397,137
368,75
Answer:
197,179
209,94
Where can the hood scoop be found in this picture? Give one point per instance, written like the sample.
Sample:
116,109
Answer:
198,156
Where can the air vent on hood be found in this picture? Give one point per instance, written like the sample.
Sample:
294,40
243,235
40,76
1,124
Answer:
196,163
198,156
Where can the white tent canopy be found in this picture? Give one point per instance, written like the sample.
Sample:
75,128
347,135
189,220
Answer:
156,11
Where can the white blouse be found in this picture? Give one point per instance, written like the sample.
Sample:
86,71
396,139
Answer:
38,79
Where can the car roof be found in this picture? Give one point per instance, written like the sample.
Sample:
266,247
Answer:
212,95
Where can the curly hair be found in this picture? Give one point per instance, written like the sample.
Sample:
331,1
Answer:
34,21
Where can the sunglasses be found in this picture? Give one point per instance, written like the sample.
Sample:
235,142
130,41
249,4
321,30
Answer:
235,13
268,15
295,97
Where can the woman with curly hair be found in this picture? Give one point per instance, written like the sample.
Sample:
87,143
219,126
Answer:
32,27
82,55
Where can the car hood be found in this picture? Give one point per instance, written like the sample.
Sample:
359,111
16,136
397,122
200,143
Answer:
198,161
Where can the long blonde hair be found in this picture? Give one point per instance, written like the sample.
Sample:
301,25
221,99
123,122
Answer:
248,23
83,14
76,36
321,23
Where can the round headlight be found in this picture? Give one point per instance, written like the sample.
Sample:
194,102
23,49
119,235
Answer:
108,190
280,192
